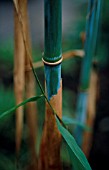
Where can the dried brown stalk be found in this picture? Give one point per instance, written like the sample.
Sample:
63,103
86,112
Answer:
49,158
22,79
19,77
30,107
91,111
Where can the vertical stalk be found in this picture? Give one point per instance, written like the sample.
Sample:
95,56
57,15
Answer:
31,119
90,45
91,111
93,91
19,76
30,91
21,60
49,158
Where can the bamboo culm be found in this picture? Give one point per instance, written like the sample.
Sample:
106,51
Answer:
51,139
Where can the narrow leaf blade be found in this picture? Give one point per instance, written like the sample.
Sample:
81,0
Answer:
8,112
79,159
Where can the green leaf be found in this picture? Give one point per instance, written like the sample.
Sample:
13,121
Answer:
79,160
68,121
8,112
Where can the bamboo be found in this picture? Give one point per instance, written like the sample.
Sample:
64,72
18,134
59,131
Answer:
30,107
93,94
90,47
53,30
49,158
90,44
28,79
92,27
91,111
19,78
31,120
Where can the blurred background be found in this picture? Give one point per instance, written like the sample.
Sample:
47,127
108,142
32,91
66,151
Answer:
73,24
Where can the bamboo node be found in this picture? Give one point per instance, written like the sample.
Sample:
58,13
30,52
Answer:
53,63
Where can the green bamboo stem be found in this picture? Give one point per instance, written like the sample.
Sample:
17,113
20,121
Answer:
87,61
91,37
53,31
93,90
51,139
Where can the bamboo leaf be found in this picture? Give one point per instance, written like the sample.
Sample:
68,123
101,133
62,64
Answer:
79,160
68,121
8,112
75,166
